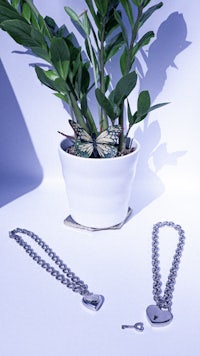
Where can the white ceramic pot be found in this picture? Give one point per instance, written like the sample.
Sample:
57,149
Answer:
98,190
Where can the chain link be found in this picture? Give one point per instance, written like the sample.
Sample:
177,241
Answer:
67,277
165,301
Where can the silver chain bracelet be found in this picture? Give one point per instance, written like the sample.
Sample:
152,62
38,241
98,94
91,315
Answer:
67,277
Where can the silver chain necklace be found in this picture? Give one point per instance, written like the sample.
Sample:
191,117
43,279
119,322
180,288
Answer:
160,314
67,277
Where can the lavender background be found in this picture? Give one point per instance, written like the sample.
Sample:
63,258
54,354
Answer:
39,316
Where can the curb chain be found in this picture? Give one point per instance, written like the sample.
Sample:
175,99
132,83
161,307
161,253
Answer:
67,277
165,301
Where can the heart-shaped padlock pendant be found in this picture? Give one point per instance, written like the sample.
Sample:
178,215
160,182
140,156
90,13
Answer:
93,301
157,316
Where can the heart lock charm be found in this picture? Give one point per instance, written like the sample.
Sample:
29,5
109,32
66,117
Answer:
93,301
158,316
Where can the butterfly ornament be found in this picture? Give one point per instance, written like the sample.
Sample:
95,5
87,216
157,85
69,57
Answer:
103,145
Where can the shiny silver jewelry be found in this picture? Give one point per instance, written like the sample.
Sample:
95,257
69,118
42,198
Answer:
160,314
67,278
137,326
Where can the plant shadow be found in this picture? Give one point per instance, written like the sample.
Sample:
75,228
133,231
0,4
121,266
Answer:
20,169
169,43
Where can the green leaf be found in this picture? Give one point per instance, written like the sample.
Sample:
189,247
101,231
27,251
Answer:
102,6
89,49
157,106
111,22
51,74
130,117
72,14
20,31
41,74
8,12
124,87
86,24
143,107
84,105
106,82
81,27
121,24
43,27
146,2
33,7
92,11
85,80
144,103
77,112
74,17
137,117
113,46
15,3
60,85
62,32
142,42
75,65
105,103
51,24
38,38
60,56
128,9
26,12
149,12
137,2
78,82
123,61
63,97
40,52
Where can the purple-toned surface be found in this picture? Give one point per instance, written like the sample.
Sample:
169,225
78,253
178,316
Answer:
37,315
20,170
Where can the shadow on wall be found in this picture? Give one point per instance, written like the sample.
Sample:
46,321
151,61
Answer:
20,170
170,42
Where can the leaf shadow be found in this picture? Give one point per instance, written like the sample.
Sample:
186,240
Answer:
169,43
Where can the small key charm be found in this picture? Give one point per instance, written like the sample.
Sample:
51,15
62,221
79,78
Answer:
138,326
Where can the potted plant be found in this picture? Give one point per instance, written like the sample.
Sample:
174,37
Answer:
98,161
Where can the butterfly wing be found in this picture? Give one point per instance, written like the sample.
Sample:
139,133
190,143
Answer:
83,149
83,144
109,136
107,141
81,134
106,151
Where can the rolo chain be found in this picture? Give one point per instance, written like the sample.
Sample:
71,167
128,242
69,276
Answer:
67,277
165,301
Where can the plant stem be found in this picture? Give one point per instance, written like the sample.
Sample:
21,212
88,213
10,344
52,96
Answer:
133,38
121,123
91,122
94,72
78,113
104,120
128,68
93,63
